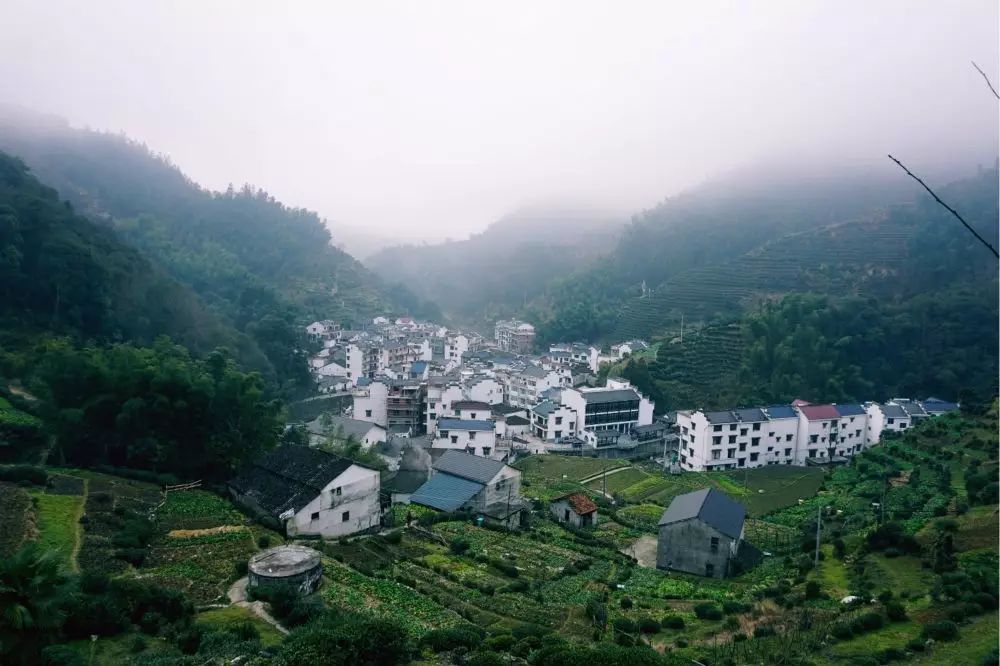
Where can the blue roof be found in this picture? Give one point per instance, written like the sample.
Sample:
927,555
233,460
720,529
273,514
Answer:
850,410
781,412
464,424
418,366
445,492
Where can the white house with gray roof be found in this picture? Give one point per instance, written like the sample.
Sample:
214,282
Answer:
617,406
551,421
463,482
475,436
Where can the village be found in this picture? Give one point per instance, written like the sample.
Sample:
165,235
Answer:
450,414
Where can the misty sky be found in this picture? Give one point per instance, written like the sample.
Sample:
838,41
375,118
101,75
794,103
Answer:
426,119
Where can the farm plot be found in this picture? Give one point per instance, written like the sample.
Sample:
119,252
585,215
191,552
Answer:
773,487
197,509
201,565
568,468
16,519
110,502
619,481
58,523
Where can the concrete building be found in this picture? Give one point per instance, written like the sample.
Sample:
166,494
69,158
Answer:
701,533
819,433
514,336
290,565
365,433
463,482
568,353
551,422
574,509
311,492
616,406
371,401
477,437
526,387
405,407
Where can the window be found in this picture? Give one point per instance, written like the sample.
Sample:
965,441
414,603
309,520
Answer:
709,569
717,439
812,453
432,405
788,437
716,454
732,426
368,413
558,420
473,415
770,434
717,428
741,462
472,435
338,491
344,517
486,450
558,434
902,425
454,439
743,432
824,425
732,439
788,452
753,457
730,453
857,433
743,446
714,545
315,516
756,426
891,421
755,441
814,438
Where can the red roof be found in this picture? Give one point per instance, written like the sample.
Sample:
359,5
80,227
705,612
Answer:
818,412
581,504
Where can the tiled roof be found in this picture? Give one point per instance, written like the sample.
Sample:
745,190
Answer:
753,415
781,412
464,424
468,466
819,412
850,410
406,481
720,417
470,404
516,420
934,406
445,492
614,395
289,477
579,502
712,506
545,408
894,411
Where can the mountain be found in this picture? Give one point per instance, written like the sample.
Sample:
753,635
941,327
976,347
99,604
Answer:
493,273
262,266
61,273
903,302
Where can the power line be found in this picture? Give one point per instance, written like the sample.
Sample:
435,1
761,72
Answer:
947,207
992,89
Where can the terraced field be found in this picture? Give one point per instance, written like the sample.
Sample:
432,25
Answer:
846,258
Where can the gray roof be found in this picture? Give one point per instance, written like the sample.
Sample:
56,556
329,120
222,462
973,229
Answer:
850,410
468,466
544,408
754,415
350,427
464,424
534,371
614,395
781,412
470,404
720,417
709,505
933,405
445,492
894,411
406,481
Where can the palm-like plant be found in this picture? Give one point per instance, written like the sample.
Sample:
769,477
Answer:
30,593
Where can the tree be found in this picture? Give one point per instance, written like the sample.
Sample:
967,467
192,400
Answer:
30,594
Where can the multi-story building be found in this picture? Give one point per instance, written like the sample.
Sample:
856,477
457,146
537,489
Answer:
524,388
405,407
365,359
475,436
616,406
551,422
570,353
514,336
371,401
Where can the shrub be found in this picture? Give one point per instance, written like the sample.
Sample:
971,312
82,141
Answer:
445,640
681,643
499,643
842,631
134,556
240,568
739,637
895,611
890,654
137,644
763,631
245,631
626,603
734,607
672,622
942,630
812,590
189,639
264,541
916,645
707,611
867,622
648,625
394,537
458,546
961,611
36,476
485,659
62,655
985,600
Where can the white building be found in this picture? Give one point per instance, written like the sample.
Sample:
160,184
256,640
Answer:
485,487
568,353
311,492
525,387
371,399
617,406
551,422
477,437
365,433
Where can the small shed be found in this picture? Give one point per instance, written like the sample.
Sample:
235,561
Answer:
295,566
575,509
701,533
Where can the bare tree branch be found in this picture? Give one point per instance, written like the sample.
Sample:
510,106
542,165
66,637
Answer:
987,79
947,207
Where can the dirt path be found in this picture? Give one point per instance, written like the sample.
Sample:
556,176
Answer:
238,597
78,535
595,477
644,550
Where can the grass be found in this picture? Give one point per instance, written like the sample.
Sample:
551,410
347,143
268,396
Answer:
233,616
773,487
892,635
901,574
568,468
58,523
976,641
618,482
833,574
197,509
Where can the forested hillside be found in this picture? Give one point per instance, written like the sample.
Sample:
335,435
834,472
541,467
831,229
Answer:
264,267
493,274
62,274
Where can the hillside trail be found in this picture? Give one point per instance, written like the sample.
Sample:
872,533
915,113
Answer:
237,595
78,534
595,477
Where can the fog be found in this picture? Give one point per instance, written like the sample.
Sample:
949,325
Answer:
430,120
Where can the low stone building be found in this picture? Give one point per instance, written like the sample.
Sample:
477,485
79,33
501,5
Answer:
701,533
295,566
574,509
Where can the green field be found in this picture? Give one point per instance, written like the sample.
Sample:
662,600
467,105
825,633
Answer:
58,523
233,616
565,468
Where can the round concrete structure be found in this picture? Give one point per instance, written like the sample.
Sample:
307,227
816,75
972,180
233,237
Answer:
296,566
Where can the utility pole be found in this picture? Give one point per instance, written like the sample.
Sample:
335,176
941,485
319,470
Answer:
819,516
510,489
682,328
604,482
